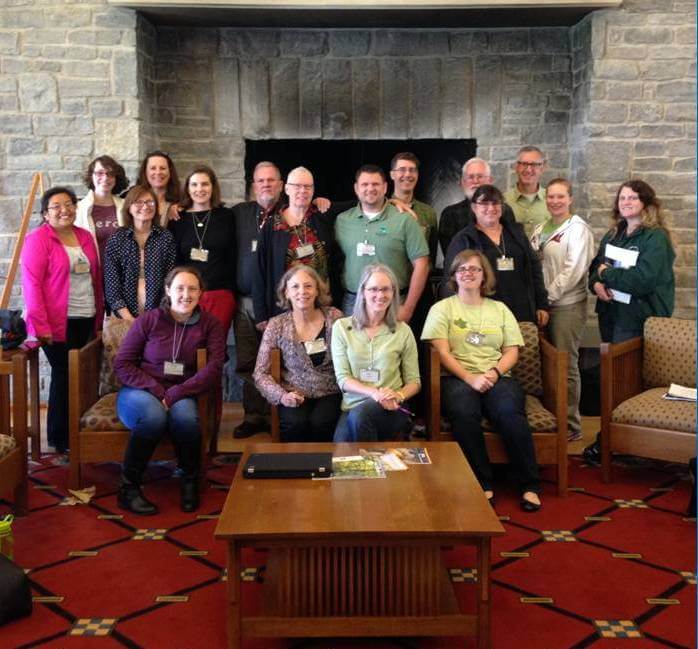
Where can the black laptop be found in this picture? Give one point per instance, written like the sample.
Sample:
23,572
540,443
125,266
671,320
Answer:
288,465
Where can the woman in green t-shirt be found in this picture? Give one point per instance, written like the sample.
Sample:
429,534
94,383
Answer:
478,341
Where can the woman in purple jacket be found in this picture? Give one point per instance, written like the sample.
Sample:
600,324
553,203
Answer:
62,287
156,363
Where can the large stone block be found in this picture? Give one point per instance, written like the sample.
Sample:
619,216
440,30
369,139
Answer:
16,123
649,148
62,125
456,98
38,93
74,105
624,90
42,162
550,40
608,161
94,69
226,97
117,137
12,183
69,16
125,78
106,37
651,71
106,107
24,145
9,42
13,18
284,98
468,42
676,90
622,131
82,146
424,99
254,96
394,118
349,43
249,43
115,17
303,43
649,35
680,148
405,43
338,109
367,84
76,87
655,131
646,112
509,41
310,98
616,70
652,164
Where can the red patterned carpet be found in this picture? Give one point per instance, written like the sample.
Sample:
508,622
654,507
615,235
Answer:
608,567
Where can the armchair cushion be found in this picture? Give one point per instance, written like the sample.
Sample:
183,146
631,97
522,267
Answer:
113,333
648,409
7,443
102,415
528,370
669,352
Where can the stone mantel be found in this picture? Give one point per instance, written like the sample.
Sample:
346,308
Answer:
367,13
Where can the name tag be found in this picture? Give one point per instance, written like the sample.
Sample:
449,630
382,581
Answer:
81,267
316,346
174,369
198,254
505,263
364,249
475,338
368,375
305,251
253,245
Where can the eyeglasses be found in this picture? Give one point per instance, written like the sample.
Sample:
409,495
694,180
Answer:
476,178
631,199
56,208
405,170
298,186
530,165
139,205
468,270
103,174
374,290
488,204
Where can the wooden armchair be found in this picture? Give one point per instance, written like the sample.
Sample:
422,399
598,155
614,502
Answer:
275,358
635,420
96,433
542,372
13,436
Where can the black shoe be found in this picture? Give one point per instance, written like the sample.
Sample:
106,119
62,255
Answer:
529,506
189,494
592,453
131,498
247,429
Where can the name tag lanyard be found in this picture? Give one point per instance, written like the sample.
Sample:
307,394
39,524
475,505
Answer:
200,253
82,264
305,249
476,337
364,248
369,374
174,367
503,262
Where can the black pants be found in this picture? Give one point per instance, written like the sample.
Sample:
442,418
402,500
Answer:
78,332
313,421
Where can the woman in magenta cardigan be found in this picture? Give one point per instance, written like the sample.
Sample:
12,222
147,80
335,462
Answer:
62,286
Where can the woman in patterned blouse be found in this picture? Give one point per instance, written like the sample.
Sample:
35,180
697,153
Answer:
307,396
137,258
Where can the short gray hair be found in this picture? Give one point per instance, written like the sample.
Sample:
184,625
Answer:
473,161
360,317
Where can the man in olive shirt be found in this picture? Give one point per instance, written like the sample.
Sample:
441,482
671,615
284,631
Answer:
375,232
527,197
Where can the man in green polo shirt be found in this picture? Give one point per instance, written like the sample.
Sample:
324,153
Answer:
375,232
527,197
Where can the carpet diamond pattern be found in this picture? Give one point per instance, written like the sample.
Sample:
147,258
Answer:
608,565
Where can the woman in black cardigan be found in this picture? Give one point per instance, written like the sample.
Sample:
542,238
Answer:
297,234
517,267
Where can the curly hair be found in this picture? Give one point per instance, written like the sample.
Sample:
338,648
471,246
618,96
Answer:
653,216
111,166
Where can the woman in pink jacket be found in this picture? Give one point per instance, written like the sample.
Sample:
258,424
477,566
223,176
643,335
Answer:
62,285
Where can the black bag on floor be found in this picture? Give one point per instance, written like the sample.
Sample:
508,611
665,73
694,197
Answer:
13,329
15,593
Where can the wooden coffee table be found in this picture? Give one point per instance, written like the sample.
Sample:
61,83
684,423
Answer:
356,558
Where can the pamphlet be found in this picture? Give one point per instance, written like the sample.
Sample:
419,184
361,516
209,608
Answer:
680,393
397,459
621,258
356,466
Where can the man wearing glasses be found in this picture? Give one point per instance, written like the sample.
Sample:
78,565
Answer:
527,197
454,218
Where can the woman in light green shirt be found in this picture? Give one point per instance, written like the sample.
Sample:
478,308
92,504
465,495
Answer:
478,341
375,362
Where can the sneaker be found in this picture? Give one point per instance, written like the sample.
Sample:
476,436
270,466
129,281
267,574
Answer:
592,453
575,436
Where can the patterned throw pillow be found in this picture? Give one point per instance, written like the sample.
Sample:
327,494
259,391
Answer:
528,370
669,353
113,333
7,443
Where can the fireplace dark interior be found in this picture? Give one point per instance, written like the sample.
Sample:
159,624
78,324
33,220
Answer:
334,162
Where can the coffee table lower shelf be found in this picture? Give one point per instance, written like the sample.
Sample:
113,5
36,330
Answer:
376,590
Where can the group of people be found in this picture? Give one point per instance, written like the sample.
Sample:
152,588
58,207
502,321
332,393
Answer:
342,290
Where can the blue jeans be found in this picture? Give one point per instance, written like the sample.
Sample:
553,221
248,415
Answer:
505,406
145,416
370,422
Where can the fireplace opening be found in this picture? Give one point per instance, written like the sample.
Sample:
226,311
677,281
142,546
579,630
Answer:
333,163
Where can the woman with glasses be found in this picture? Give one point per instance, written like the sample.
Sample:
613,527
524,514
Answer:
205,238
632,274
100,210
158,173
478,342
297,234
307,394
565,245
518,274
62,288
137,258
375,362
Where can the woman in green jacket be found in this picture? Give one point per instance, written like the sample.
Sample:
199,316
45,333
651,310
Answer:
632,274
